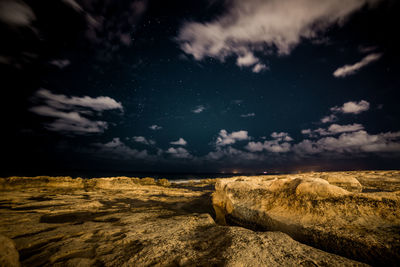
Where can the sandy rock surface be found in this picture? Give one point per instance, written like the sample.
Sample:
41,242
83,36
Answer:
8,253
70,223
330,211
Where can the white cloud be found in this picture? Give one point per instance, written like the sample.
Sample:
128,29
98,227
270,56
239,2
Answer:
281,136
246,60
180,142
264,27
119,149
278,145
271,146
69,112
333,129
354,142
330,118
259,67
347,70
99,103
179,152
60,63
248,115
155,127
352,107
226,138
143,140
198,109
336,128
16,13
71,122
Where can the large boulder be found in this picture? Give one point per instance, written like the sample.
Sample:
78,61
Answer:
361,226
9,256
347,182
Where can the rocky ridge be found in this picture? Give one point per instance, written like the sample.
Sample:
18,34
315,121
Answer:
326,210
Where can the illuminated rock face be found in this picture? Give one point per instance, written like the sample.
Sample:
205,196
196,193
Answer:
118,222
8,253
362,226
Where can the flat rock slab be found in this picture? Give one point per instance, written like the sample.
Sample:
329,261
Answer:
143,225
361,226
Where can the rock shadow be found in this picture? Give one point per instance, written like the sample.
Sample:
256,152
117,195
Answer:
76,217
202,204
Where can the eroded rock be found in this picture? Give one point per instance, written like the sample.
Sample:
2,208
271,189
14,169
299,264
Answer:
116,222
8,253
362,226
349,183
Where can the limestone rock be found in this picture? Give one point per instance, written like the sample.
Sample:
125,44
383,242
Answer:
138,225
349,183
8,254
361,226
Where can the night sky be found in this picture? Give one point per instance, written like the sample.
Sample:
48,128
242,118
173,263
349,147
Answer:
199,86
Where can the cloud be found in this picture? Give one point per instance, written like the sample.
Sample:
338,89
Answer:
274,146
226,138
100,103
118,149
306,131
270,146
198,109
367,49
259,68
69,112
352,107
263,27
246,60
143,140
16,13
347,70
69,122
248,115
333,130
179,152
354,142
155,127
330,118
336,128
282,136
60,63
180,142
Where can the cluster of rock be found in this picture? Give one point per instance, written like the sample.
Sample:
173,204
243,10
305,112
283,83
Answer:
329,213
123,183
60,221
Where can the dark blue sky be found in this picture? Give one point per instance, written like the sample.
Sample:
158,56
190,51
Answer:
210,86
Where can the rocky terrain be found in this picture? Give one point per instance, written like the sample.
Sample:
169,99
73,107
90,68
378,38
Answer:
353,214
122,221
